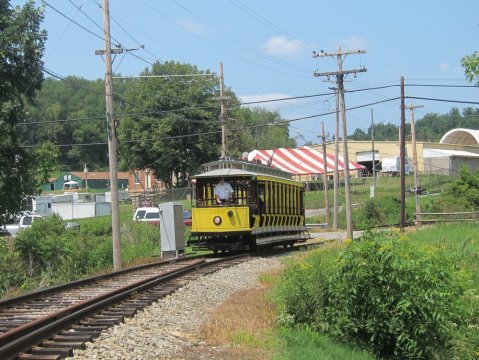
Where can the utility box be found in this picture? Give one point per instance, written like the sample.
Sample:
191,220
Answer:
171,230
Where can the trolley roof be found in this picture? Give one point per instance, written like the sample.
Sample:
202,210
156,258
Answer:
232,167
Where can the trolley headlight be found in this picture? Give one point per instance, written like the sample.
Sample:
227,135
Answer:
217,220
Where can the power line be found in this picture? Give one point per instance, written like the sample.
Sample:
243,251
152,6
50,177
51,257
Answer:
279,123
443,100
245,45
74,22
79,8
444,86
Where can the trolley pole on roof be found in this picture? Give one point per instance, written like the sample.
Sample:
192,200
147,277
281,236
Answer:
340,84
112,142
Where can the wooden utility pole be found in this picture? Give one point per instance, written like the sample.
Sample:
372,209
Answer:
222,113
325,176
112,142
374,154
336,167
414,156
402,153
340,84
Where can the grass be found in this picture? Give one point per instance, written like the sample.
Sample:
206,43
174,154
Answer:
246,324
258,336
304,344
385,186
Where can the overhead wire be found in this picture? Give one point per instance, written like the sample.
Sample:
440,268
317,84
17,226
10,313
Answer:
279,123
230,52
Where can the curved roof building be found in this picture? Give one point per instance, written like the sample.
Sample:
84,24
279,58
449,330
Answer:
461,137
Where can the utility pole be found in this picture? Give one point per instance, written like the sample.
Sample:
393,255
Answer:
402,153
112,142
325,175
336,167
374,154
336,164
223,113
414,156
340,84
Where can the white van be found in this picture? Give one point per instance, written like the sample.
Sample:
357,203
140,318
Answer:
151,215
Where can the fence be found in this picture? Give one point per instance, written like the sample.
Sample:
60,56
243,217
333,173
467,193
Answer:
155,197
384,183
464,216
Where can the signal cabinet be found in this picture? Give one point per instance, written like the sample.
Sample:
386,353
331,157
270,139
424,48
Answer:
171,229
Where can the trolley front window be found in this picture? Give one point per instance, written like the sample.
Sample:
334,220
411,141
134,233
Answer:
205,191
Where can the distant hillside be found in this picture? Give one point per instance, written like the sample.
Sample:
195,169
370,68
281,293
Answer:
430,128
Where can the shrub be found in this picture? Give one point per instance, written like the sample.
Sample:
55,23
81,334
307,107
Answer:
379,293
12,272
44,244
466,187
303,286
380,212
396,300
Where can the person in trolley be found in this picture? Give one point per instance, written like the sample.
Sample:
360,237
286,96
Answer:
223,192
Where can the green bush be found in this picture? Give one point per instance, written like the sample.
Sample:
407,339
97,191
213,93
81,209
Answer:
380,212
379,293
466,187
12,271
398,301
48,254
303,286
44,245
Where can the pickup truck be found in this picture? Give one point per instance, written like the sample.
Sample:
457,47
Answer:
23,222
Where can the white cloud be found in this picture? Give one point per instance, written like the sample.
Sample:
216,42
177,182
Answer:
354,43
264,97
280,45
194,27
444,66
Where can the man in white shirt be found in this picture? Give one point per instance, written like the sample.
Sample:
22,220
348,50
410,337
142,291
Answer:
223,192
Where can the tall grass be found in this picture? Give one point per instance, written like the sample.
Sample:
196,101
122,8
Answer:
302,343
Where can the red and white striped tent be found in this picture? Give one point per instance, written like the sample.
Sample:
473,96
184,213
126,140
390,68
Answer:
301,161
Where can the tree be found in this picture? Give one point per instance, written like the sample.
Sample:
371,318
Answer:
47,161
257,129
171,124
358,135
70,112
471,66
21,48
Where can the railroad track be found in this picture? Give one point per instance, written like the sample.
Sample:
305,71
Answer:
49,324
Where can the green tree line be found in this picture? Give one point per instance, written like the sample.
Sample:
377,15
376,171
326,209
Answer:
168,124
430,128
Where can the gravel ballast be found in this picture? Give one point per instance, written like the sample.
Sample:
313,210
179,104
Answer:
169,328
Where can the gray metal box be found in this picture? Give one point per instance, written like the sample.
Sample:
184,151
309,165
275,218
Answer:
171,228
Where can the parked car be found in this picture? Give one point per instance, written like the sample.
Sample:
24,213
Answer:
151,215
187,217
22,223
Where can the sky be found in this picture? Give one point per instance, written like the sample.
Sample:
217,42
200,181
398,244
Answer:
266,48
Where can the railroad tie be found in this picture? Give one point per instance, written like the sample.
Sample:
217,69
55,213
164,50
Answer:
24,356
72,344
62,351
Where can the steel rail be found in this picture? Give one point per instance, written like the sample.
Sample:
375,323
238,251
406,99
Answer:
22,339
50,290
